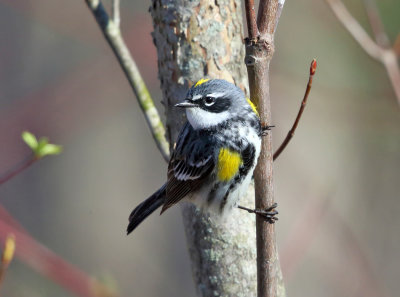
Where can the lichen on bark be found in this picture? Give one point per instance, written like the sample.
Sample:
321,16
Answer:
196,39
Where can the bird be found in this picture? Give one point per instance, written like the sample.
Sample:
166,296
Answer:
216,151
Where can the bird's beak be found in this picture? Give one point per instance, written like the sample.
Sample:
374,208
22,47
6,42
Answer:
186,104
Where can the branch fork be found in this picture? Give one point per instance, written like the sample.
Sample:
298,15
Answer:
258,49
380,49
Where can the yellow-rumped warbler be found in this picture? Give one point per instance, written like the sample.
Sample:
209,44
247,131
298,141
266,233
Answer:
215,154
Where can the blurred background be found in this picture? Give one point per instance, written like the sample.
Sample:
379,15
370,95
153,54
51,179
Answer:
337,183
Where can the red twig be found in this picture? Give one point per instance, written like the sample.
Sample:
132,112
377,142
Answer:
291,132
7,218
18,169
46,262
251,19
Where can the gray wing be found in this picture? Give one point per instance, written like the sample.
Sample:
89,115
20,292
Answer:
191,164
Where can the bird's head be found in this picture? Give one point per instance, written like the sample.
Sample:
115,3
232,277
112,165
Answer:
212,101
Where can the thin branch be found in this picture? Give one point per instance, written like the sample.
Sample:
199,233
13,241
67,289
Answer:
290,134
376,24
251,19
386,56
267,17
259,53
114,38
18,168
115,12
355,29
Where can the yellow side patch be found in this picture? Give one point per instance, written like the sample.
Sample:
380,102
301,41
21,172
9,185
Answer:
228,164
201,81
253,107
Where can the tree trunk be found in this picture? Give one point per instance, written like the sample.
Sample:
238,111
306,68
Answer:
195,39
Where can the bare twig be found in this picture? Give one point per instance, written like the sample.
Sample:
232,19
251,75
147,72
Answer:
18,168
259,52
267,16
114,38
355,29
115,12
387,56
376,24
290,134
251,19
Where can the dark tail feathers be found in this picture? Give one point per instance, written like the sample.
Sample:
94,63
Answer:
146,208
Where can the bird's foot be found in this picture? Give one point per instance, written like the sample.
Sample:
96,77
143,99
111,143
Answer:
269,214
265,129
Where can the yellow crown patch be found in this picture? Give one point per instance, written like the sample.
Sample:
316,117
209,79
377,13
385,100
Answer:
201,81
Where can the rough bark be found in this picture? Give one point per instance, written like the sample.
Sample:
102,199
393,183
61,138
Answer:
195,39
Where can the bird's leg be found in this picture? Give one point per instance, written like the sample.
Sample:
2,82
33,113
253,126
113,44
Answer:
269,214
265,129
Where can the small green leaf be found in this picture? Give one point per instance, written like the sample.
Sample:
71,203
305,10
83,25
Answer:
43,141
42,147
50,149
30,140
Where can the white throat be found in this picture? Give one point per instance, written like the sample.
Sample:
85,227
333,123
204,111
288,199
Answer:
202,119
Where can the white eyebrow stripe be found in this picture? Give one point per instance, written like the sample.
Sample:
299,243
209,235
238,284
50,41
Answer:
216,95
197,97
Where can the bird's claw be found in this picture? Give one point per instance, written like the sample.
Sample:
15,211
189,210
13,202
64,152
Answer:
269,214
265,129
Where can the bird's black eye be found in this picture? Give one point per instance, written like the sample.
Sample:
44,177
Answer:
209,101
